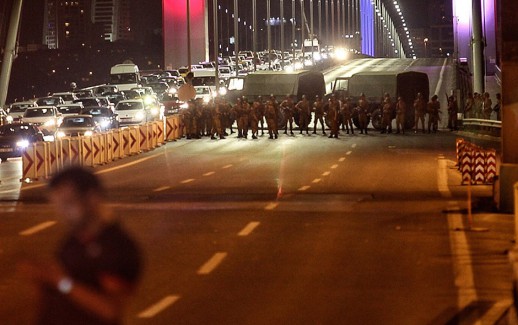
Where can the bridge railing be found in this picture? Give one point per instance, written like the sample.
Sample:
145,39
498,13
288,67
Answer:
483,126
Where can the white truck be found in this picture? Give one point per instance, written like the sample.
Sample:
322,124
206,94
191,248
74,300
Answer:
125,76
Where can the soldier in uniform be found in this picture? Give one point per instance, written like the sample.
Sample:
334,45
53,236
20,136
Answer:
363,113
259,111
236,111
217,114
487,106
400,115
386,117
304,109
253,117
347,115
270,114
243,118
196,118
187,119
468,106
434,109
420,111
206,119
318,108
333,111
287,107
452,113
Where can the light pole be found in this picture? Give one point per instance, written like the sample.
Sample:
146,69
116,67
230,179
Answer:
282,32
293,26
426,47
189,63
269,33
236,34
215,40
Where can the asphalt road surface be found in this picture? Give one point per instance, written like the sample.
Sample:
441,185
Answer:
299,230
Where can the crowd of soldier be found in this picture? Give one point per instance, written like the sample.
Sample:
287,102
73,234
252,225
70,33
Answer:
216,118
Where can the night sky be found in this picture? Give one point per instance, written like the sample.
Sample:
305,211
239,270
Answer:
149,14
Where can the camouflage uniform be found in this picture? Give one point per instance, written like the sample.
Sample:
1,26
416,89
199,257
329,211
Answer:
420,111
400,115
318,108
332,115
363,113
304,109
271,119
434,109
347,115
287,107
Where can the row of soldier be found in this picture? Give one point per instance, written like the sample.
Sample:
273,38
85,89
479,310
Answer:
337,113
216,118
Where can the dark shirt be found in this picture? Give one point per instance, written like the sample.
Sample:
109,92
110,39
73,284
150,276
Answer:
112,253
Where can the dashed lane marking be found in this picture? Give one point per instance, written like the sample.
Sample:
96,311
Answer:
353,145
316,180
348,153
37,228
334,166
303,188
153,310
271,206
185,181
342,159
209,173
212,263
326,173
227,166
249,228
162,188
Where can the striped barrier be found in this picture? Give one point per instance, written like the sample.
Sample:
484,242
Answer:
43,159
170,130
477,165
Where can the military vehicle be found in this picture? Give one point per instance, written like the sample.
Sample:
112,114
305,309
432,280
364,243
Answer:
375,84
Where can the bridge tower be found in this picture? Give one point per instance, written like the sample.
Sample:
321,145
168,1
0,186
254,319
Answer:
176,32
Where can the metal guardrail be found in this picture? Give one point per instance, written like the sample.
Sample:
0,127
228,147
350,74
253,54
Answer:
490,127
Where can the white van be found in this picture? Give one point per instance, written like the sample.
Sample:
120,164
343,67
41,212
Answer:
125,76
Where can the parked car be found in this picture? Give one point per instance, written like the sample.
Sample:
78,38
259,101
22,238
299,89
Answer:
88,101
77,125
171,104
133,111
15,138
103,116
159,87
46,118
16,110
70,109
50,101
205,93
68,97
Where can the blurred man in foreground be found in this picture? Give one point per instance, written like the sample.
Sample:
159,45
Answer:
97,265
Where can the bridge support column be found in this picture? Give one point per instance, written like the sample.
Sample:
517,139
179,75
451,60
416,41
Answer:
176,32
509,166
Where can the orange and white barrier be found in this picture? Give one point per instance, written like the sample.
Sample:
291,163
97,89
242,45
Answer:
477,165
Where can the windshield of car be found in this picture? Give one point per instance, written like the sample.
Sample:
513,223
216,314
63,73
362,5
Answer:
49,101
38,112
88,101
126,106
17,109
16,129
202,90
101,111
69,109
77,121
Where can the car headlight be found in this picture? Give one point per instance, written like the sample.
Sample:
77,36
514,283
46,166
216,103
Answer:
184,105
60,134
9,119
148,100
139,116
105,123
206,99
222,91
173,91
22,144
154,111
88,133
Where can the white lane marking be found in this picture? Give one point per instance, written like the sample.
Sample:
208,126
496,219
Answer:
342,159
271,206
249,228
305,187
459,246
227,166
348,153
212,263
316,180
353,145
153,310
209,173
185,181
334,166
128,164
162,188
441,75
37,228
326,173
